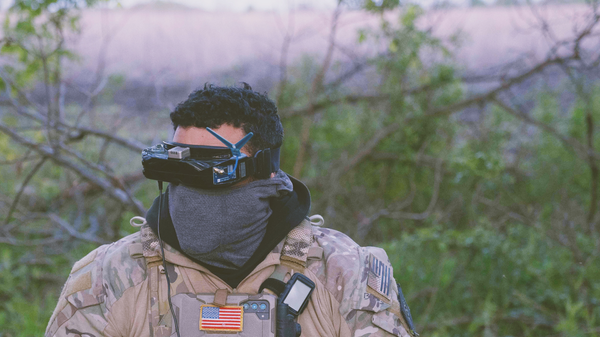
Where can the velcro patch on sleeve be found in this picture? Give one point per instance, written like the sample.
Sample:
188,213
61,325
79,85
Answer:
85,261
297,244
82,282
380,276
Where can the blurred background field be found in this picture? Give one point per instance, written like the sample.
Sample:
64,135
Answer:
462,137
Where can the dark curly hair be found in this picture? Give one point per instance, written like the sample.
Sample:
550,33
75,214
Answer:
214,106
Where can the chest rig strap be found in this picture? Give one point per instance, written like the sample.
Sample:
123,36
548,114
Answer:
295,252
151,253
295,255
294,258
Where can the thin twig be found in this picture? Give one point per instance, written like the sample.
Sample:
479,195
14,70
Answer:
432,202
73,133
46,151
72,231
20,192
316,87
567,141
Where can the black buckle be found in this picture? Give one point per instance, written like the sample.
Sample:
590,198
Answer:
263,164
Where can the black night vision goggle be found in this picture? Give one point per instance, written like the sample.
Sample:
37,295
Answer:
207,166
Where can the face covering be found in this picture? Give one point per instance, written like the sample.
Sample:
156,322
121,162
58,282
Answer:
224,227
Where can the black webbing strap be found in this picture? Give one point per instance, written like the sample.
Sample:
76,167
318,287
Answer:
276,286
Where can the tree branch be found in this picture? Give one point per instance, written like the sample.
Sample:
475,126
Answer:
46,151
567,141
72,231
74,133
370,146
432,202
25,183
316,87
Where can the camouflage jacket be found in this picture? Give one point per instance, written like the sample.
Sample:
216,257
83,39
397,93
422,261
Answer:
120,290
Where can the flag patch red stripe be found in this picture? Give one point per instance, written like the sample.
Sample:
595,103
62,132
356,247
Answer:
214,318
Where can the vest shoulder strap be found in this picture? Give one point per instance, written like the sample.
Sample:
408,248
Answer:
295,252
160,325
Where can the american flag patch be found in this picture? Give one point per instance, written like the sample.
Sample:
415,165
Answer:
213,318
380,274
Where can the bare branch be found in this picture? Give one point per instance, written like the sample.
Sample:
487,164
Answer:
478,99
25,183
370,146
316,107
317,85
72,231
432,202
130,144
74,133
19,161
508,212
283,58
46,151
440,111
78,133
567,141
29,243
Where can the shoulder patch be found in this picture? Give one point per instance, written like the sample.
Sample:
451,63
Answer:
377,291
297,244
81,282
84,261
380,275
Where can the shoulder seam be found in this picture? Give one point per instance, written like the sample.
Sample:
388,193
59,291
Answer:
324,260
74,312
109,313
332,297
107,303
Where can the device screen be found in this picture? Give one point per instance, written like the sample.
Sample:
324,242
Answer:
297,295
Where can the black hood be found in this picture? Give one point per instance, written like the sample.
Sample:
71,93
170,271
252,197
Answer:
288,212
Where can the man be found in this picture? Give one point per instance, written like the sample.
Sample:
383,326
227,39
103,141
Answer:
228,241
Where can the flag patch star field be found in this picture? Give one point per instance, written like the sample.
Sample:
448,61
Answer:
214,318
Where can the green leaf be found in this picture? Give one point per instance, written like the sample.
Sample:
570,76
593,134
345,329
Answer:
25,27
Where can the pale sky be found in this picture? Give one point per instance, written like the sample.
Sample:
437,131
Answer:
230,5
242,5
261,5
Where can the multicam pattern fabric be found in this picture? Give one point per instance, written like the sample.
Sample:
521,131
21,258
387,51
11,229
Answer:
345,271
115,291
297,244
84,311
150,242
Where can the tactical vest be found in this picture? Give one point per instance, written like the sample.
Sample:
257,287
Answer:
296,253
297,250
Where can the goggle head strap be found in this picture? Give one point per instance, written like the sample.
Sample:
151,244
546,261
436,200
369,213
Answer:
266,162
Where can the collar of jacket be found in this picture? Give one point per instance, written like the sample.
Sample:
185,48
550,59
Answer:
288,212
175,257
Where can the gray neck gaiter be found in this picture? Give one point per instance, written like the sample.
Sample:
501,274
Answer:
224,227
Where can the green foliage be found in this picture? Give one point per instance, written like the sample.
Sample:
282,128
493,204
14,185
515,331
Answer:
33,36
508,281
504,251
30,286
380,6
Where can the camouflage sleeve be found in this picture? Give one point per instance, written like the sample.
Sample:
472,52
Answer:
373,308
81,310
361,280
